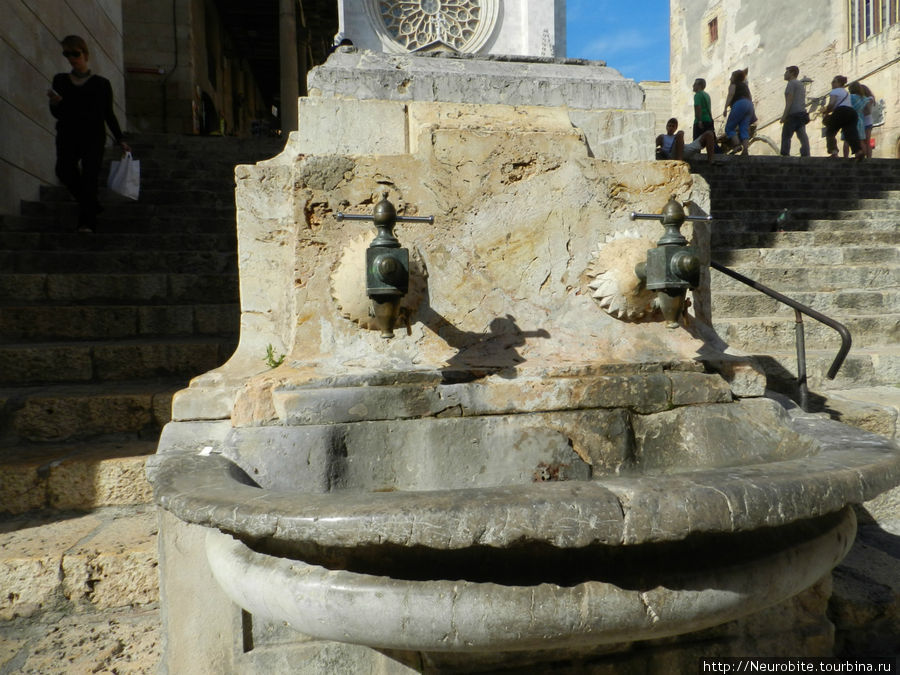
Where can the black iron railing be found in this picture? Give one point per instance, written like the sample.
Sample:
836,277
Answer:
799,310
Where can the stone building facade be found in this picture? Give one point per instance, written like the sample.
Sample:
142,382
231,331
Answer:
856,38
183,74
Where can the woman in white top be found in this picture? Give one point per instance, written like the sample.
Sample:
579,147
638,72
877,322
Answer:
840,116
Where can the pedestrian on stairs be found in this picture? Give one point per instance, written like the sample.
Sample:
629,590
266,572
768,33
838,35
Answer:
868,120
82,104
703,120
794,118
840,116
860,103
742,115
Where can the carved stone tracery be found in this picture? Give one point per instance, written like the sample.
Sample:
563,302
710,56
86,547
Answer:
410,25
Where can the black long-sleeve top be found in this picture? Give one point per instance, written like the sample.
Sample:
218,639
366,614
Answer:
85,108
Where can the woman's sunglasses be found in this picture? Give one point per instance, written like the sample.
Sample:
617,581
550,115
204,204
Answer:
71,54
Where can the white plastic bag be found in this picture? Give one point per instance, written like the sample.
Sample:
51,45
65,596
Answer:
125,176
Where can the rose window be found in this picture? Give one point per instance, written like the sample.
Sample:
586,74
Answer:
413,24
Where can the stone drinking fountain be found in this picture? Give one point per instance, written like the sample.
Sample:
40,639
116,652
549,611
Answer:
485,447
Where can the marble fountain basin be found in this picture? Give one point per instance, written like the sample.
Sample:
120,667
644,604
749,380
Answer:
482,529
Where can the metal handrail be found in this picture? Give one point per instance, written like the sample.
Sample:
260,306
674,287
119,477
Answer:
799,309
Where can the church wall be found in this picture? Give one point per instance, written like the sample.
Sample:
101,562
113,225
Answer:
809,34
31,56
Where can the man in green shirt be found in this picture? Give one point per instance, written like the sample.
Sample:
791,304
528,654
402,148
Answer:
703,120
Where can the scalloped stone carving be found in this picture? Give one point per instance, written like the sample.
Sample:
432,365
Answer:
348,285
409,25
616,287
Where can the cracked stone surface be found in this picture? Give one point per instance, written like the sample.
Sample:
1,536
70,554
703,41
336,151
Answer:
78,562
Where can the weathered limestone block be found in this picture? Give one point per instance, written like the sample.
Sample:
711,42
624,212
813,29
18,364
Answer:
115,567
350,126
74,416
30,560
364,74
681,437
97,479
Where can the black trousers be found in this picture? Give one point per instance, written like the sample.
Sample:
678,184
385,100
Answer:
842,119
78,162
701,127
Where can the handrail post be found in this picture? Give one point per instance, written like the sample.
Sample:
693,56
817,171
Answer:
799,310
801,361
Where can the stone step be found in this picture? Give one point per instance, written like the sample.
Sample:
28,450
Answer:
132,241
111,322
112,641
862,367
82,475
31,364
116,210
792,166
117,262
71,412
806,203
149,220
782,188
78,563
156,189
724,238
209,148
788,280
773,188
767,220
90,288
808,255
838,303
84,592
764,333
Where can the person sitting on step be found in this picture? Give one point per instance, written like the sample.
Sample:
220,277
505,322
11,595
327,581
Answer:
671,145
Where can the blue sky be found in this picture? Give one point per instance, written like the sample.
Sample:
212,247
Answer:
634,42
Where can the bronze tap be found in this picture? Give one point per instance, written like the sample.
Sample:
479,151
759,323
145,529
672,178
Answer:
387,263
672,267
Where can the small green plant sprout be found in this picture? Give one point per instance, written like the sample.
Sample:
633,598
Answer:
271,360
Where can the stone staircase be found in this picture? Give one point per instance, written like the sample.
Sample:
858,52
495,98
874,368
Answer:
97,331
836,248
